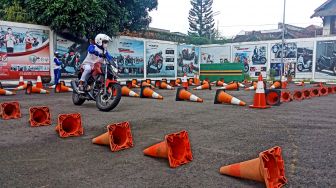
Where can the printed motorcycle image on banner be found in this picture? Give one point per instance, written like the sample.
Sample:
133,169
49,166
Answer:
188,60
160,59
218,54
72,55
326,60
129,56
254,58
304,62
24,52
290,59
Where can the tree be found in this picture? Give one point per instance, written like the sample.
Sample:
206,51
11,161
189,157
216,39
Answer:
88,18
201,22
13,11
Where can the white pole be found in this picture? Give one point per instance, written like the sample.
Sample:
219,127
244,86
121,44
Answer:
283,41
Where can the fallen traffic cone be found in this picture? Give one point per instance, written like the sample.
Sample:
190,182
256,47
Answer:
220,83
283,82
306,93
69,125
145,84
6,92
273,97
254,87
118,137
323,91
39,116
178,81
149,81
135,83
197,81
39,82
157,83
191,81
172,83
21,82
183,94
232,86
314,92
206,85
52,87
147,92
60,88
125,91
164,85
320,84
298,95
276,85
10,110
260,97
268,168
33,89
223,97
286,96
330,90
23,87
131,84
300,84
241,85
176,148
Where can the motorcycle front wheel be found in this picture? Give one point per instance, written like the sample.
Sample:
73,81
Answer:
107,102
300,67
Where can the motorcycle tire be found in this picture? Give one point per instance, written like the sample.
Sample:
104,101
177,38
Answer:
159,65
263,60
101,99
300,67
77,100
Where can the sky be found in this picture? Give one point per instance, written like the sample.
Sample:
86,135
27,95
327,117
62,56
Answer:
238,15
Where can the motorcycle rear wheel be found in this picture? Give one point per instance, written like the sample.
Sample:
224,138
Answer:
300,68
109,101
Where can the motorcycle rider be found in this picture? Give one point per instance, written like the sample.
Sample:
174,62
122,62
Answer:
57,67
256,52
96,53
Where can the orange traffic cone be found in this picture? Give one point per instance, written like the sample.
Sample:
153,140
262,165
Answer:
298,95
33,89
118,137
323,91
232,86
314,92
300,84
197,81
21,82
206,85
334,89
60,88
178,81
220,83
5,92
125,91
183,94
39,82
22,87
69,125
10,110
145,84
184,80
191,81
286,96
157,83
276,85
39,116
330,90
172,83
268,168
254,87
283,82
147,92
273,97
223,97
306,93
176,148
164,85
135,83
259,97
241,85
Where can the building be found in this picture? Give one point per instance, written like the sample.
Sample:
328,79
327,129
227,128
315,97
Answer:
327,11
292,32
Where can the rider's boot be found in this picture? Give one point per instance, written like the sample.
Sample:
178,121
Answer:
81,86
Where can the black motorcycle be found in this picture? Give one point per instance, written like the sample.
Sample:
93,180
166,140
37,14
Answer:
326,63
259,59
188,56
156,60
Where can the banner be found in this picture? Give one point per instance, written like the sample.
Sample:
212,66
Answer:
188,60
161,60
326,60
289,59
218,54
254,58
72,55
304,62
24,52
129,56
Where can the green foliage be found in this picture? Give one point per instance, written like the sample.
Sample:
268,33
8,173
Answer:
200,18
198,40
13,11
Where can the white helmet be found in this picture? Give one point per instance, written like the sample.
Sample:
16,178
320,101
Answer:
100,38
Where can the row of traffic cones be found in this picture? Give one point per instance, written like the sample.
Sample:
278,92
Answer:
299,95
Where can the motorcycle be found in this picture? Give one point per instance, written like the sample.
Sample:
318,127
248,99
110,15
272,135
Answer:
304,64
259,59
156,60
102,87
188,56
289,52
328,63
